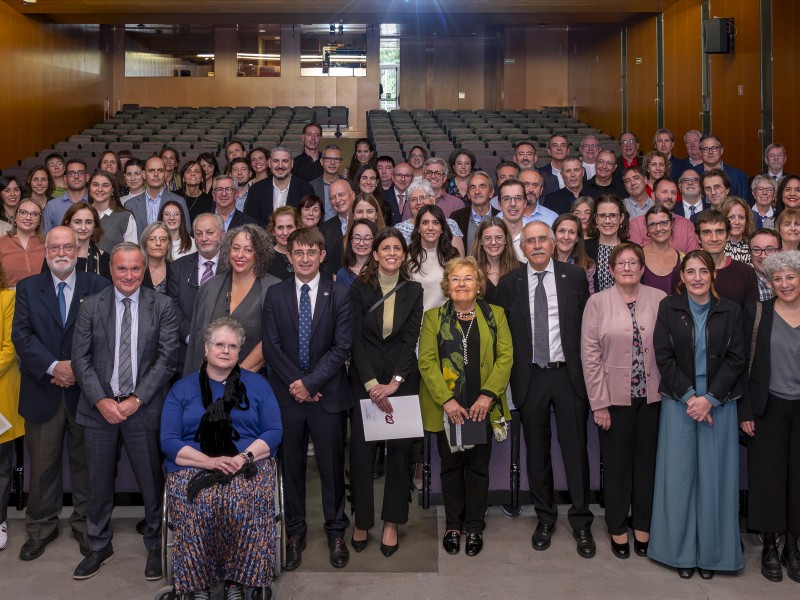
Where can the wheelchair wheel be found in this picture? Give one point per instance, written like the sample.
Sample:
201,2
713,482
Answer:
166,593
267,593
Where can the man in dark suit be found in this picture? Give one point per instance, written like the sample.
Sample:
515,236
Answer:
44,319
146,206
189,272
307,332
479,193
547,373
224,193
342,198
692,202
331,167
629,157
124,353
711,149
525,157
397,195
279,189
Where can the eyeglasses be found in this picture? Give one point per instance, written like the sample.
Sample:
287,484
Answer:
768,251
607,216
221,346
58,247
358,239
542,239
659,224
225,190
171,215
590,145
134,173
299,254
633,264
765,190
422,197
403,175
75,173
29,213
710,149
606,163
429,173
466,279
332,158
497,239
512,199
629,143
690,180
158,238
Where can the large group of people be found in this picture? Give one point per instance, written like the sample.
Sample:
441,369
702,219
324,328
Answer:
203,320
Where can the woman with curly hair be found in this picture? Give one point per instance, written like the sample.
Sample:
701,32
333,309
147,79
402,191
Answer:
237,291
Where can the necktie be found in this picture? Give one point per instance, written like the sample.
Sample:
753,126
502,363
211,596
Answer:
305,325
401,202
541,326
208,273
125,366
692,211
62,302
775,177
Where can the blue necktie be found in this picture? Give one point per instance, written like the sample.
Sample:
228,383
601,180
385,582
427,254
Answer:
693,210
305,326
62,302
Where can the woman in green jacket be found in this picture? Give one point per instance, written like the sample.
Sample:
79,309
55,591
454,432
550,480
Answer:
465,358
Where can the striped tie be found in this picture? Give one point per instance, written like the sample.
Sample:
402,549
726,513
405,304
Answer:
125,365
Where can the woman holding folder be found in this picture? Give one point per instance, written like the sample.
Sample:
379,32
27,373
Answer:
387,313
465,357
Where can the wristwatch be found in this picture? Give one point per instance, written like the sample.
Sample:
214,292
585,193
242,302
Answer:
398,378
247,456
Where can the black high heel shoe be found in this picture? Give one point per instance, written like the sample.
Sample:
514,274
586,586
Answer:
640,547
359,545
388,550
622,550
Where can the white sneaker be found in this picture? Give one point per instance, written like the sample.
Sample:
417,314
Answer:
3,535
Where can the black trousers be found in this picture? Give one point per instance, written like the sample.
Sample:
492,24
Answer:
6,470
397,486
629,449
327,431
465,483
45,443
773,468
552,388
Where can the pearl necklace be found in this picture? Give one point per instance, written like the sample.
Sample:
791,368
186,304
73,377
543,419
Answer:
465,315
464,338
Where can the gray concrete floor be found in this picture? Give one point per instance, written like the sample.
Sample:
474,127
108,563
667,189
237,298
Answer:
507,568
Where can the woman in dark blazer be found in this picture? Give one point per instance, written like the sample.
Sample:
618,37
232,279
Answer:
771,417
608,227
700,353
383,364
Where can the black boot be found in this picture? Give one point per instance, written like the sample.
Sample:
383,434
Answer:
790,557
770,561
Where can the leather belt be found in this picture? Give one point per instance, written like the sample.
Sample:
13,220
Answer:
552,365
122,398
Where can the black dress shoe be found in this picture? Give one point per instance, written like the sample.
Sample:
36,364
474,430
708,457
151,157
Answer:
294,552
90,565
141,526
33,549
771,563
474,544
640,548
152,569
541,536
339,554
388,550
705,573
586,545
359,545
83,543
622,550
790,558
451,542
686,573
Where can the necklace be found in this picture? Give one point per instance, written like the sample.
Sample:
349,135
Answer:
464,338
466,315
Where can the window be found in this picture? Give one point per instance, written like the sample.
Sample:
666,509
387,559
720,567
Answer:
169,50
333,50
258,50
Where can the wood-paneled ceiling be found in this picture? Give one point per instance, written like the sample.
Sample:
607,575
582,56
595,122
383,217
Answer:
419,13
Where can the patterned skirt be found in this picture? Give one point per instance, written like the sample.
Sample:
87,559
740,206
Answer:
226,534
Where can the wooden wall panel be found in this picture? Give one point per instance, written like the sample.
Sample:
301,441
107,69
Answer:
736,118
539,76
683,55
786,58
413,73
594,76
642,91
56,79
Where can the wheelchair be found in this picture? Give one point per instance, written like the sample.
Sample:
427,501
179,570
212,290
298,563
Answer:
167,546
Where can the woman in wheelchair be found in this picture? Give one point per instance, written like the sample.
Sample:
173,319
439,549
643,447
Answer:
217,428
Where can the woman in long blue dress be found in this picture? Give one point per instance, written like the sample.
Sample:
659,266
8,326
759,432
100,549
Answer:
696,498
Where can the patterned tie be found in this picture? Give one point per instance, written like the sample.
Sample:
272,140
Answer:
62,302
692,211
208,273
305,326
541,325
401,202
125,366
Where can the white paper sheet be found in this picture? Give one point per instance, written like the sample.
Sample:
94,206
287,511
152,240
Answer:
405,421
5,425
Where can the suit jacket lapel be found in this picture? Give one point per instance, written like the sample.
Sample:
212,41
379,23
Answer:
49,299
524,294
146,305
290,295
561,280
78,295
321,305
109,323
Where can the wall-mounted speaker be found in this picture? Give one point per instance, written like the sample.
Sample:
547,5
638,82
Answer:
718,36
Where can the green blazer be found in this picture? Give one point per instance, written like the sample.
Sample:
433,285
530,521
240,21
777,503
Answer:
495,370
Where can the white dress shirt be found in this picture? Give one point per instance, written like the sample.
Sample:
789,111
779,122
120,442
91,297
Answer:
201,265
120,309
69,292
549,281
279,196
312,293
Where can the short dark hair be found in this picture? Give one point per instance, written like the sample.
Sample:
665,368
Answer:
312,124
715,173
708,217
385,158
306,236
766,231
